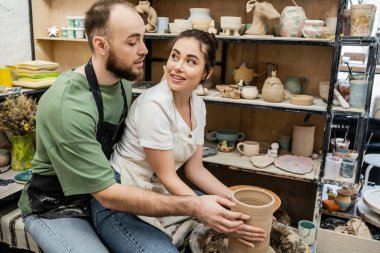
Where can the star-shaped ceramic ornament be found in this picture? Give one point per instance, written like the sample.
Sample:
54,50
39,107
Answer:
53,31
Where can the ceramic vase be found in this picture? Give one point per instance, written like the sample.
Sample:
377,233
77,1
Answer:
258,204
303,139
362,18
22,152
291,21
144,8
199,13
343,199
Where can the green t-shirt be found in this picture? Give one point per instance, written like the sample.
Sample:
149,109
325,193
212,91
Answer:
67,119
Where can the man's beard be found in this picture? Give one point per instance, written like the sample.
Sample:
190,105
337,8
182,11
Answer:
119,71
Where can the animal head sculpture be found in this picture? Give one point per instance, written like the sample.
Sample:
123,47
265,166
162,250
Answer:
261,11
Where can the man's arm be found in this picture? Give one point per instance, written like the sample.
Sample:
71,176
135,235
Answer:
207,209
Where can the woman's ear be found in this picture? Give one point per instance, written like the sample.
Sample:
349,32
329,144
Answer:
100,45
207,76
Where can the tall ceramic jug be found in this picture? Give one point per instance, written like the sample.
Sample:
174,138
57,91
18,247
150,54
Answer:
303,139
258,204
291,21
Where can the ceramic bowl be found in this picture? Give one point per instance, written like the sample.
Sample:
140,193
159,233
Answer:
230,22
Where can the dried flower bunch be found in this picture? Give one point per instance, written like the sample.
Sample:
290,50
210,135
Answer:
18,114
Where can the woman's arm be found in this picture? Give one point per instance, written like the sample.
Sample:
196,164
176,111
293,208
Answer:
202,178
163,164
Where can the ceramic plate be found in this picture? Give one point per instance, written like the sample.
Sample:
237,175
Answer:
294,164
209,149
261,161
372,199
277,200
368,215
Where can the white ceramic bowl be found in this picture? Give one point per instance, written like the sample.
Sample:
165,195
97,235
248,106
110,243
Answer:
230,22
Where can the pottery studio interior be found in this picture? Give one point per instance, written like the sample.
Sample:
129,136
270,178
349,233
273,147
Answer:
268,138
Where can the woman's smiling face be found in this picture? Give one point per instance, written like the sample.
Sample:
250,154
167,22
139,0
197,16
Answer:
186,65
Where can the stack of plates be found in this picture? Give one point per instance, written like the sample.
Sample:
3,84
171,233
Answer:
369,206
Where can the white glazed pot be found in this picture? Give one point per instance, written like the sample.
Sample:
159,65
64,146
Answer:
312,28
249,92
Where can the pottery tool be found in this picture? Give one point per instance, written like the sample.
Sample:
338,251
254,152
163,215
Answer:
341,100
367,144
346,133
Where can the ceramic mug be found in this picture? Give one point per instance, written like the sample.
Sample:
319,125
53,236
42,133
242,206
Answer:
307,231
248,148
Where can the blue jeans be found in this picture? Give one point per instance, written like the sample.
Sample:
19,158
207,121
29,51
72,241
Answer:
124,232
64,235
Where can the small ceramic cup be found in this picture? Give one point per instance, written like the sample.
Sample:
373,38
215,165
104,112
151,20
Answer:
248,148
284,142
163,24
332,166
307,231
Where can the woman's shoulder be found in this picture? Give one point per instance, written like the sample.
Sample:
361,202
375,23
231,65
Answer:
158,93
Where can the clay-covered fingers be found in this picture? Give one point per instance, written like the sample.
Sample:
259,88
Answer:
212,213
249,233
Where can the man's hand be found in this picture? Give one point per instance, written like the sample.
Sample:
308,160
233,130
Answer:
211,210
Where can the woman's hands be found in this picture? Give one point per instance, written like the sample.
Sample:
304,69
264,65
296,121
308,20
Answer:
212,212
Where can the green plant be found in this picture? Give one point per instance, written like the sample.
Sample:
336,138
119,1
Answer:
18,114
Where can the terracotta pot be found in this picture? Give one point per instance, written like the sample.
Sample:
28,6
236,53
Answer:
343,199
258,204
303,139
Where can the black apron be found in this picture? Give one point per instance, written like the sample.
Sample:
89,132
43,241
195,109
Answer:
45,193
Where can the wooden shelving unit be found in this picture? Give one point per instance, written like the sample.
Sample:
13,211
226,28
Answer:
316,59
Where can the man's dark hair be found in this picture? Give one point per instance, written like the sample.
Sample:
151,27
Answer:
97,17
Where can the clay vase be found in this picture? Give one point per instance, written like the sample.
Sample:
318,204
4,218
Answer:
144,8
273,90
258,204
303,139
343,199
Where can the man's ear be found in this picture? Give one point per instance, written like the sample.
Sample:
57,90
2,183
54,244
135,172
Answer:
100,45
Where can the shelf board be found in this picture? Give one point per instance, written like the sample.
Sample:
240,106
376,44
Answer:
357,40
234,160
213,97
340,181
341,110
61,39
253,39
3,95
362,68
223,38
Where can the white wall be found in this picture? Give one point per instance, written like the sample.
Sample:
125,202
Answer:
15,42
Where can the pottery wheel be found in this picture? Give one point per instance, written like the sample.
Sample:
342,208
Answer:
294,164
